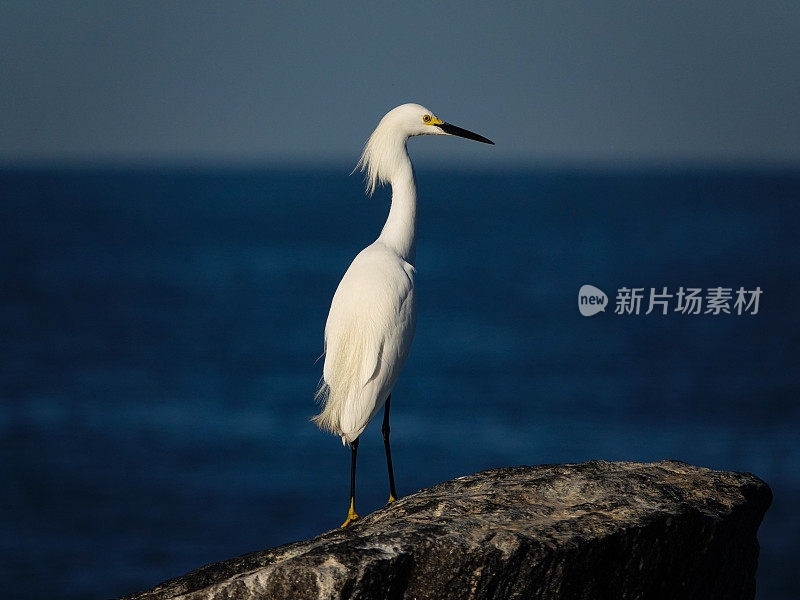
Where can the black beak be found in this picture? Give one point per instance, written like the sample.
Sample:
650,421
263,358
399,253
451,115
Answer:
453,130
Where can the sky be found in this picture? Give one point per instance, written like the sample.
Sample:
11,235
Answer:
265,84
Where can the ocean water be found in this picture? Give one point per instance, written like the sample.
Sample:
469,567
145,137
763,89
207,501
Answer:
160,333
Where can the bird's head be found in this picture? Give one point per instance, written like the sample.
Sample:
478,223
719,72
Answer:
385,148
414,119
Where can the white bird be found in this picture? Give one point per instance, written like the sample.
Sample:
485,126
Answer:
374,311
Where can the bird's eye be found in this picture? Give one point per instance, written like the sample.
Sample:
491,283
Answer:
426,118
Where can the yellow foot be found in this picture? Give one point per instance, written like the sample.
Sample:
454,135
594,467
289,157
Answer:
351,514
391,499
350,519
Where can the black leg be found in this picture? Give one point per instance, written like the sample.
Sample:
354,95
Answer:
385,430
351,514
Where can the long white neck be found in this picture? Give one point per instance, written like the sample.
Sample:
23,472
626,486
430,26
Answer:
400,230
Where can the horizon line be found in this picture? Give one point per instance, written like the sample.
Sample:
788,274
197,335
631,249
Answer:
553,164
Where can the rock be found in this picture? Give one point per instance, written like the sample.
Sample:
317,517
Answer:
592,530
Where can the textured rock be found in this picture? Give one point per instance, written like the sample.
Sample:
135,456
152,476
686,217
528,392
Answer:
592,530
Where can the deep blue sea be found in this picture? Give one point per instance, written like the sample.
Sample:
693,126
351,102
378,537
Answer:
160,333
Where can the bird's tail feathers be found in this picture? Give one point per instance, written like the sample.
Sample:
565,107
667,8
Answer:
326,420
343,384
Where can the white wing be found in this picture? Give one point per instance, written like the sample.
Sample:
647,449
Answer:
367,338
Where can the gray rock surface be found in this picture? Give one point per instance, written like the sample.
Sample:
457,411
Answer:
593,530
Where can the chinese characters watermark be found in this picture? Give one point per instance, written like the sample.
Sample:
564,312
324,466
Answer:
684,300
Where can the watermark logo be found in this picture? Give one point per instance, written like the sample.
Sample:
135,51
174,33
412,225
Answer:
591,300
684,301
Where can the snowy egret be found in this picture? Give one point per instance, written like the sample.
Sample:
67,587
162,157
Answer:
373,313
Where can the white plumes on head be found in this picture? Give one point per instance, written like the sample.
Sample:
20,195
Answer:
385,149
381,153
